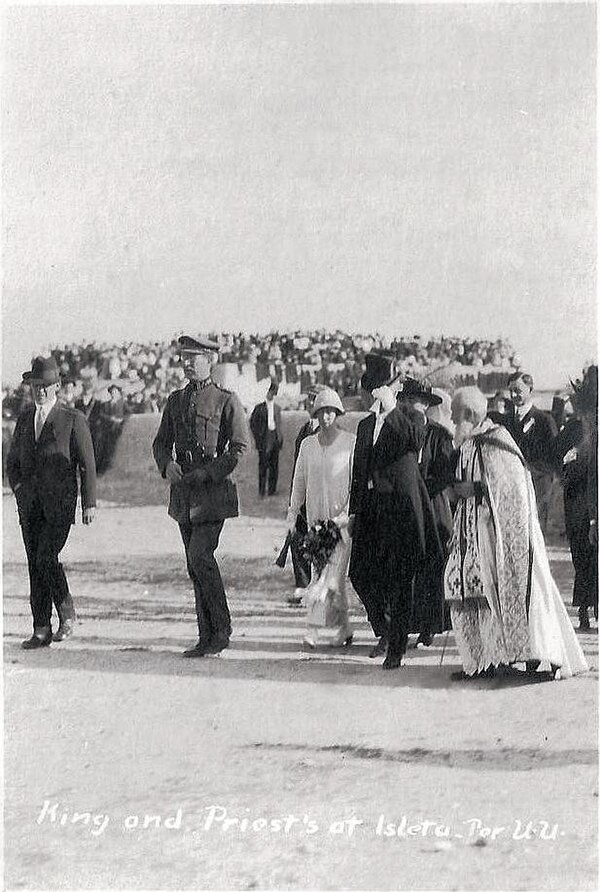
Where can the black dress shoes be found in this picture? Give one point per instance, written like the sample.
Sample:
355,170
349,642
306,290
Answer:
199,650
36,641
379,649
392,661
216,646
65,630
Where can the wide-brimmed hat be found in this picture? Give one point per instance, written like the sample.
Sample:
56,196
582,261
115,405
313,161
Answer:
44,370
188,344
419,390
379,371
328,399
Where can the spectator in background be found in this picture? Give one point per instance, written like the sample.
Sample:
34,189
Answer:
68,393
572,453
265,424
534,432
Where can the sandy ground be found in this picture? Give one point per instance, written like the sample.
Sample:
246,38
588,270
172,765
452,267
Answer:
330,766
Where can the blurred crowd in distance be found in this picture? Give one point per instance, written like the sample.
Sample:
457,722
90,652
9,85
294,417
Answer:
137,378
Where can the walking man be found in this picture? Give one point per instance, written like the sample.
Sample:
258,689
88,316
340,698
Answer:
50,444
265,424
202,434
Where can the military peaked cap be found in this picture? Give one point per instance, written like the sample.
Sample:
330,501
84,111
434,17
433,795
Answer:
196,345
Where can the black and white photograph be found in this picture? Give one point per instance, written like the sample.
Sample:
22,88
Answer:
299,446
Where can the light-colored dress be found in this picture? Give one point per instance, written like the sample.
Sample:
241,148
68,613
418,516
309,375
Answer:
505,606
322,481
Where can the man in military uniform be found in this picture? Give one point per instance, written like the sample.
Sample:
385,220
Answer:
206,427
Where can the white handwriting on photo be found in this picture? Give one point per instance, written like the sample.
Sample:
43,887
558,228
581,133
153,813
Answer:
217,819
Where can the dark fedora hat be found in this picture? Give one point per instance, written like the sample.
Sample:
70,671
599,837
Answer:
419,390
44,370
188,344
379,371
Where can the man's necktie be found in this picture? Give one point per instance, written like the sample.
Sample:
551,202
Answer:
39,424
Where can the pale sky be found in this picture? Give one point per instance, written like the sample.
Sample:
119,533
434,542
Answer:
405,169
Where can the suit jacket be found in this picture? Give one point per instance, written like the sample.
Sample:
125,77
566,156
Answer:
534,435
403,522
259,425
215,446
47,470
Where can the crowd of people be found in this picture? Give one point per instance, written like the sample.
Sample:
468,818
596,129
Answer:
147,373
437,521
443,530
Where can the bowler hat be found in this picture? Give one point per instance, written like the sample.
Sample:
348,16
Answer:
44,370
379,371
188,344
328,399
419,390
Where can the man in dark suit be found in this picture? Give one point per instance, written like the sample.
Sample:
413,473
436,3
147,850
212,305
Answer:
534,432
391,521
206,427
265,424
50,443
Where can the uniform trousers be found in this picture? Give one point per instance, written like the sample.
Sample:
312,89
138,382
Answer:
44,540
200,541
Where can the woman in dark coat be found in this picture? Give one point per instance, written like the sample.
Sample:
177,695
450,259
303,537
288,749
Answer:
393,530
437,464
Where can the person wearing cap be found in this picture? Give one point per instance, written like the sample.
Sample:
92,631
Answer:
322,483
265,424
391,521
437,459
51,442
202,435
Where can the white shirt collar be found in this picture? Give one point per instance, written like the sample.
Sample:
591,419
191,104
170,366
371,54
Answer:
522,411
45,410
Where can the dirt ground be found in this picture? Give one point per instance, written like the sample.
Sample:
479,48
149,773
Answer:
127,767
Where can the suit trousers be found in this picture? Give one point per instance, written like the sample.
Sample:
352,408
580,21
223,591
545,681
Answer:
200,541
268,469
44,540
542,485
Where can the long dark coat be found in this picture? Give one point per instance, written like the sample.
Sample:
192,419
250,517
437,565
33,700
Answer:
437,464
394,522
48,469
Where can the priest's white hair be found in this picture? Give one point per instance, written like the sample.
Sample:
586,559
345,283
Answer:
471,403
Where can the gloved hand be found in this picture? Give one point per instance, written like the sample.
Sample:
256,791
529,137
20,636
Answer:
196,477
173,472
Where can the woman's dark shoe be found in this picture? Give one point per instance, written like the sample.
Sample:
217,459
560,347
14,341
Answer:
424,640
197,651
379,649
216,646
584,619
392,661
348,641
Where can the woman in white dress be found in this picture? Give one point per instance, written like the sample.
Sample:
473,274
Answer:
322,481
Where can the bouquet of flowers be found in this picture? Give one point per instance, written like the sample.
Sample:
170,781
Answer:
318,543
